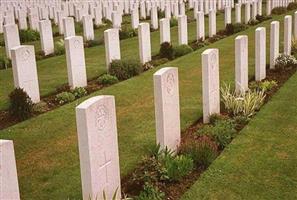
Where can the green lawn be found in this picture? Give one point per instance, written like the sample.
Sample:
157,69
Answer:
46,146
52,72
261,163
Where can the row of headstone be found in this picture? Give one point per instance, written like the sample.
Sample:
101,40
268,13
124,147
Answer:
96,10
96,117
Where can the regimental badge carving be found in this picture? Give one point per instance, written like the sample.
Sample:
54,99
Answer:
101,117
170,84
76,44
25,55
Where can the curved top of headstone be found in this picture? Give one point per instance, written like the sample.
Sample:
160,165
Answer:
93,101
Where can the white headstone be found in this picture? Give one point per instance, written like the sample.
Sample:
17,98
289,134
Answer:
46,37
22,20
154,18
167,112
227,15
288,34
76,65
238,13
69,28
144,40
11,38
165,30
200,26
9,186
274,43
241,64
210,83
135,18
247,13
182,30
98,148
112,45
98,15
212,23
88,27
25,71
260,54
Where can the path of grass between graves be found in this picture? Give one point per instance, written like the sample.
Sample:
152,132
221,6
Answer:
260,163
46,146
52,72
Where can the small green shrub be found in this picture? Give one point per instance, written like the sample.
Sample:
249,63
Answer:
240,122
181,50
278,10
150,192
223,131
238,27
166,51
244,104
93,43
28,35
127,32
40,107
154,63
21,105
107,22
262,18
173,22
253,22
5,63
107,79
79,92
125,69
2,42
229,30
65,97
292,6
203,151
262,85
60,47
284,62
178,166
161,14
215,38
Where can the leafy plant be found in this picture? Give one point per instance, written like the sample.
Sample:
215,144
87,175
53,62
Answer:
114,196
127,32
125,69
181,50
262,18
283,62
93,43
28,35
238,27
166,51
253,22
294,47
21,105
203,151
278,10
229,30
178,166
60,47
262,85
222,131
215,38
5,63
150,192
244,104
107,79
79,92
65,97
292,6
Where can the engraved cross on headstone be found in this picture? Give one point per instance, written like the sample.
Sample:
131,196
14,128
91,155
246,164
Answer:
104,166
